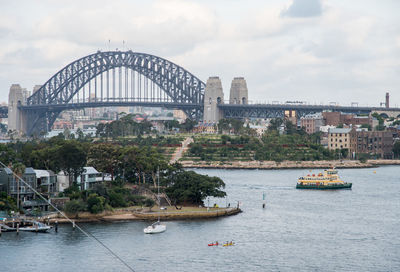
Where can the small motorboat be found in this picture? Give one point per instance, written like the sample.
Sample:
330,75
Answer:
156,227
34,226
213,244
6,228
25,225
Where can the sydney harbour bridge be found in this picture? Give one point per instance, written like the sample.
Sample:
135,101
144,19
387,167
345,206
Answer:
126,78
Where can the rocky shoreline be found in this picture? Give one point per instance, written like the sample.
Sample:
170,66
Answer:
287,164
143,215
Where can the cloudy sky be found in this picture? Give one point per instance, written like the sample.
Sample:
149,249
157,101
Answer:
318,51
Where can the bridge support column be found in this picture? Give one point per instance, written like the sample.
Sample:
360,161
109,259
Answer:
239,93
213,96
17,118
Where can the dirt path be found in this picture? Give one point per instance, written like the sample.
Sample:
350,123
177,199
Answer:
181,150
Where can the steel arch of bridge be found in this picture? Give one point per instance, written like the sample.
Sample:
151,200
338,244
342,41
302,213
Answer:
184,89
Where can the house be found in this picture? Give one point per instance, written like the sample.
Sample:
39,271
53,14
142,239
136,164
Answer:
10,184
46,181
62,181
89,178
22,189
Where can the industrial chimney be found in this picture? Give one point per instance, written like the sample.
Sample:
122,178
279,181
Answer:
387,100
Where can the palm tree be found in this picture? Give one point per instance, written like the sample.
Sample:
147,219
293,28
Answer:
19,169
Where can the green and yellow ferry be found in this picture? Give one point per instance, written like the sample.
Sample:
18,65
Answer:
322,181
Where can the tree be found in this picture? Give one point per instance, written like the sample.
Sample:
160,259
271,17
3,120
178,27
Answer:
396,150
224,125
368,126
7,203
81,135
149,203
193,188
171,124
275,123
237,125
19,169
72,159
188,125
105,158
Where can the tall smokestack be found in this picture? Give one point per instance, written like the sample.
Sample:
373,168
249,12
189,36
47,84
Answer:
387,100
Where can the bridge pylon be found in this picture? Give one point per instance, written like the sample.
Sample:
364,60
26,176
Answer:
213,96
17,119
239,93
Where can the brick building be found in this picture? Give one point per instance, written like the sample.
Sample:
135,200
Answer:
312,123
374,143
336,118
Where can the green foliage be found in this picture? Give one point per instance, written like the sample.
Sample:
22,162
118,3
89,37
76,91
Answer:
104,157
274,124
381,120
188,125
363,157
125,126
75,206
171,124
116,199
149,202
95,203
136,200
226,125
7,203
368,126
396,150
193,188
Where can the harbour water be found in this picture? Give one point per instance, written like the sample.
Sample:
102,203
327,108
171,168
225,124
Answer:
299,230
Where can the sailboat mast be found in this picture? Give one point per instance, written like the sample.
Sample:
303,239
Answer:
158,191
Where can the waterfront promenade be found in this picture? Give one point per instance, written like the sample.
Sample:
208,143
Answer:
287,164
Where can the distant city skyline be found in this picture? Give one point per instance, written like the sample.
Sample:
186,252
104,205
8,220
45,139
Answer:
319,51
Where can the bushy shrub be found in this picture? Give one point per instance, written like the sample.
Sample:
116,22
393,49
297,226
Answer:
95,203
116,199
136,200
75,206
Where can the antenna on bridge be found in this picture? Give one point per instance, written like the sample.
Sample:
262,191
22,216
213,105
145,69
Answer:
109,45
123,45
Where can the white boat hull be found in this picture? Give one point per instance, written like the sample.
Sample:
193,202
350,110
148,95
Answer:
155,229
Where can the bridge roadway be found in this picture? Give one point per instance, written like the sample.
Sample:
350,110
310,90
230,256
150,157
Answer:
278,110
230,110
76,106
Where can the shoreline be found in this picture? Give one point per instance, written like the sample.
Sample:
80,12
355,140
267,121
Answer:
272,165
135,215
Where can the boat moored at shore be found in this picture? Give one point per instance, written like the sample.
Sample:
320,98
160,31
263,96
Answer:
18,224
329,179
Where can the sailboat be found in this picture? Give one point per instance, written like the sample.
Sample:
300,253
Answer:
156,227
